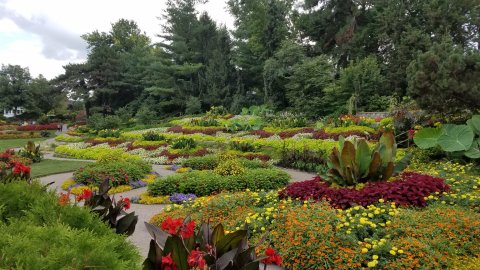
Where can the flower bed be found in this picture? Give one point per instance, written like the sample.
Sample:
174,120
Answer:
192,130
322,135
19,135
38,127
203,183
68,138
408,189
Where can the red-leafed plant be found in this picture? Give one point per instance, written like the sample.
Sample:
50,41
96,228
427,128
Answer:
38,127
409,188
261,133
206,130
291,133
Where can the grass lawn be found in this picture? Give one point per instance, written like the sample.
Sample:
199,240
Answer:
50,166
14,143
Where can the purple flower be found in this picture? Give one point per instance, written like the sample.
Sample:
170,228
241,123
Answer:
174,167
180,198
137,184
134,199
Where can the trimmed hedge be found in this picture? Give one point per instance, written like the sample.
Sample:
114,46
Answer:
39,233
203,183
120,172
209,162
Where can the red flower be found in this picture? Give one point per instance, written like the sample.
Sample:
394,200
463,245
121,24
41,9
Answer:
168,263
20,168
272,257
195,259
126,203
411,132
188,230
171,225
64,199
86,194
176,227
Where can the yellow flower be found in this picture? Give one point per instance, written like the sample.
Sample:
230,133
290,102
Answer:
364,250
381,200
375,257
393,252
400,251
372,263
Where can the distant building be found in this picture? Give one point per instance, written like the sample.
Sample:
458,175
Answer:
11,112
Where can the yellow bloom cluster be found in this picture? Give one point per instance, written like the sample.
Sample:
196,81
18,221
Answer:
149,178
145,198
119,189
372,216
67,183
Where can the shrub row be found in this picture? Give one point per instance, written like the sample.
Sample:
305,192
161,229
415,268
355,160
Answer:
409,189
19,135
120,172
209,162
38,233
203,183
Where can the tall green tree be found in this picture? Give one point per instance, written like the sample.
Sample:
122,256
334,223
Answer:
446,78
14,87
45,97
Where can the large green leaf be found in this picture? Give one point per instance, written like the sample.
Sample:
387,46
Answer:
387,153
427,137
474,151
474,124
363,157
218,233
230,241
456,138
174,245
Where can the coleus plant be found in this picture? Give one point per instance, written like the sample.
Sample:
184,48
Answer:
176,246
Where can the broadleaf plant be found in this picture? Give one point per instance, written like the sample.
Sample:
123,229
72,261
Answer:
353,162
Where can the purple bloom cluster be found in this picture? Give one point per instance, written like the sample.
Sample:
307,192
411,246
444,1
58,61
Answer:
180,198
134,199
137,184
74,185
174,167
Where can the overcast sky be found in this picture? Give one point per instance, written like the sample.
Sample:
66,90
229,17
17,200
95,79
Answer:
44,35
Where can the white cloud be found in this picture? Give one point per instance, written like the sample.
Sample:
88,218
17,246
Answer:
54,27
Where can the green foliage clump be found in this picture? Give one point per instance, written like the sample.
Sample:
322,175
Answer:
453,139
209,162
32,152
203,183
38,231
120,172
99,122
354,163
153,136
229,165
184,143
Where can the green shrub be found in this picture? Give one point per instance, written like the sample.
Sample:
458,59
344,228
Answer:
120,172
203,183
209,162
98,122
39,233
184,143
153,136
109,133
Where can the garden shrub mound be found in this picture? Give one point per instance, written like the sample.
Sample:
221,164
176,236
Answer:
120,172
209,162
39,233
203,183
409,188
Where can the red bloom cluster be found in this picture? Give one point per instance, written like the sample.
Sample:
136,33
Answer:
168,263
64,199
176,227
206,130
272,257
195,260
409,189
126,203
86,194
38,127
21,169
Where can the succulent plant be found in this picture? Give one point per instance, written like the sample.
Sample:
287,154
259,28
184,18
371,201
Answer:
354,162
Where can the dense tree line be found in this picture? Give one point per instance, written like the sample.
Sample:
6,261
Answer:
313,56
